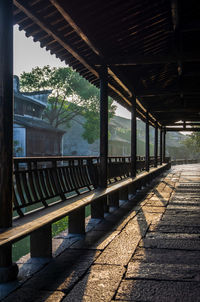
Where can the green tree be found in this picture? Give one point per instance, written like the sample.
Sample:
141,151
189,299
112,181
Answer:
71,95
192,143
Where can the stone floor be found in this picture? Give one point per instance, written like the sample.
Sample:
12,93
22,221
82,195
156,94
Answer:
147,250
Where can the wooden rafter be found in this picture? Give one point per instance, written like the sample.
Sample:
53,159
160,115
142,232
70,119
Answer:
88,41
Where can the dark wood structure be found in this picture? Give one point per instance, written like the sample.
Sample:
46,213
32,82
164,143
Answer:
146,51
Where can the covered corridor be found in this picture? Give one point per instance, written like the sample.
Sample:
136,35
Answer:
146,250
146,57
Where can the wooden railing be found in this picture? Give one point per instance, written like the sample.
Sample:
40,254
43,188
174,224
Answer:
43,181
39,181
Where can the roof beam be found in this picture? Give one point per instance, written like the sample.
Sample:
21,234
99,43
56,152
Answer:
175,110
149,60
157,93
182,129
56,36
184,124
77,29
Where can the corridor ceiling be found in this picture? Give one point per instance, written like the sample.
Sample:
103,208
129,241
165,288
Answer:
151,48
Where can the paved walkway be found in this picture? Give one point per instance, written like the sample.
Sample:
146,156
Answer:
151,254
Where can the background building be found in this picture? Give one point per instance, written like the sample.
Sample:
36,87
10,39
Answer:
32,135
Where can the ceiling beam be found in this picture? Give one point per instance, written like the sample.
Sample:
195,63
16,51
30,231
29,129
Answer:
148,60
50,30
160,93
184,124
182,129
71,22
175,110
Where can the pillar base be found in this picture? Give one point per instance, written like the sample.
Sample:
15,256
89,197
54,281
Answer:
9,273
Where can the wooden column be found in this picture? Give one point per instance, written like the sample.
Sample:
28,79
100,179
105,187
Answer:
156,146
8,271
103,126
147,142
133,139
6,112
97,208
164,145
161,145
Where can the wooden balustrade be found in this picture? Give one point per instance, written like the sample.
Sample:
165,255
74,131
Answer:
43,181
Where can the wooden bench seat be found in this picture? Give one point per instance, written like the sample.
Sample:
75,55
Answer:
42,218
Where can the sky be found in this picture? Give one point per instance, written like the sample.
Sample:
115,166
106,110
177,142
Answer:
29,54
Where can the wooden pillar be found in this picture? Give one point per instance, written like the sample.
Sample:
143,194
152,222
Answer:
133,138
161,145
103,126
164,145
147,142
8,271
6,112
97,208
156,146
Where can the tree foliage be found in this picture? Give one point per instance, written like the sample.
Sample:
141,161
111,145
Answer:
192,143
71,95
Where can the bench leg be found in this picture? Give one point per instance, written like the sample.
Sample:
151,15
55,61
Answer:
132,189
77,221
41,242
8,270
97,208
106,206
123,194
113,199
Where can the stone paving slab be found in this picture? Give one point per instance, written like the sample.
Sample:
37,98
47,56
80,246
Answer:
36,296
171,241
62,273
163,271
174,228
100,284
184,207
98,240
169,256
157,291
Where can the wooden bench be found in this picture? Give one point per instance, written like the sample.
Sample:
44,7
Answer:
62,187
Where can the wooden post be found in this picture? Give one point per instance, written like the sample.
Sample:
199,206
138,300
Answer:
147,142
161,146
77,221
103,126
41,242
6,112
133,138
156,146
123,194
8,271
97,208
164,145
113,199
